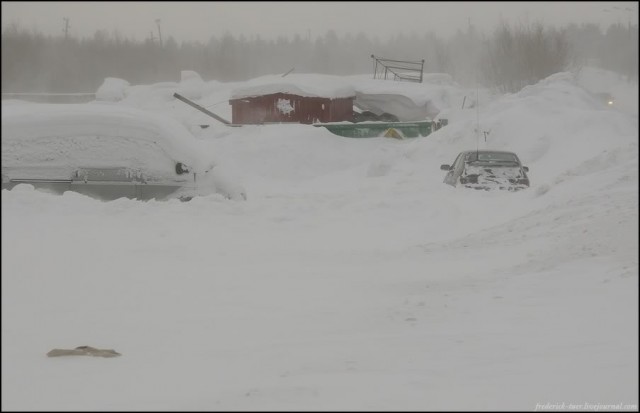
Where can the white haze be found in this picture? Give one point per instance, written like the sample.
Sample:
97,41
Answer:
198,21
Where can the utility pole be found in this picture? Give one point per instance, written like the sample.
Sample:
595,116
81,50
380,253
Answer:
66,27
159,32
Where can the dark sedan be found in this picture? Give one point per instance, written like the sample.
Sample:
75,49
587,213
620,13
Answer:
487,170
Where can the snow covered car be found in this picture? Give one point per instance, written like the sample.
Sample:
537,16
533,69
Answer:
106,151
485,169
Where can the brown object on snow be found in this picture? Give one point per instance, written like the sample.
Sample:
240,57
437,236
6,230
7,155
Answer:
83,351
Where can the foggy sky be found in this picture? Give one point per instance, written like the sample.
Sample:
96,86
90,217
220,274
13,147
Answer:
198,21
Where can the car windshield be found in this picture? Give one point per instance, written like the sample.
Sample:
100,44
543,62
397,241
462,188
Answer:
492,157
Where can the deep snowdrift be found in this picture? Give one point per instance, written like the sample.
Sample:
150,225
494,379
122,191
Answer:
352,278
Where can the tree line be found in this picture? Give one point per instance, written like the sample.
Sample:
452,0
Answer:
507,59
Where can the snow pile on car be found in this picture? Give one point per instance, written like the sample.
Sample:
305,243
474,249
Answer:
81,131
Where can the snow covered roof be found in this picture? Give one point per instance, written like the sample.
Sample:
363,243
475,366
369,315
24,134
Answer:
307,85
433,87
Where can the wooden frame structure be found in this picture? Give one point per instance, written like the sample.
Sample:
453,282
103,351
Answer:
402,70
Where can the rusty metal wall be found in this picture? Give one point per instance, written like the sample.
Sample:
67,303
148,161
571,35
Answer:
281,107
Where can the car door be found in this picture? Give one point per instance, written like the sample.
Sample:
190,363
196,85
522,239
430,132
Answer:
105,183
147,189
49,179
130,168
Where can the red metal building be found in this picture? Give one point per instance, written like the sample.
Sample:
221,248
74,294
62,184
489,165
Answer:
287,107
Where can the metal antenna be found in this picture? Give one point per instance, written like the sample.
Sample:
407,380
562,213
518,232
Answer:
477,116
477,119
475,75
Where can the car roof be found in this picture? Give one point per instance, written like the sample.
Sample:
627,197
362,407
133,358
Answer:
23,122
488,151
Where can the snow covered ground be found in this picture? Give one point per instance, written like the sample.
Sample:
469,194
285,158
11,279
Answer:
352,277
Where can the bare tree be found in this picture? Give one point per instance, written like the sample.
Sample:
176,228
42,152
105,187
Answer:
518,57
509,59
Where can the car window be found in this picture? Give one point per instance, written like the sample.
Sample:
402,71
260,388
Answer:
492,157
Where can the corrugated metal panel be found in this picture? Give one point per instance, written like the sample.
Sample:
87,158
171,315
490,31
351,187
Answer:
281,107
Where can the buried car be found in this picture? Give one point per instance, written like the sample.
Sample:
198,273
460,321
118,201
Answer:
485,169
605,98
107,152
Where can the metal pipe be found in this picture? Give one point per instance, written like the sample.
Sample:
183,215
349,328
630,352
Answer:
201,109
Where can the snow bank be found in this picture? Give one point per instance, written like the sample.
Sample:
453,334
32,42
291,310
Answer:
554,125
444,79
191,85
624,91
352,279
112,90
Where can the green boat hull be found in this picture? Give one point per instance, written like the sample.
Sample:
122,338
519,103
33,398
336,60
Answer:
379,129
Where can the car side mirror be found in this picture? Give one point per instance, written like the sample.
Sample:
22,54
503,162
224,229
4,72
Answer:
445,167
181,168
525,168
